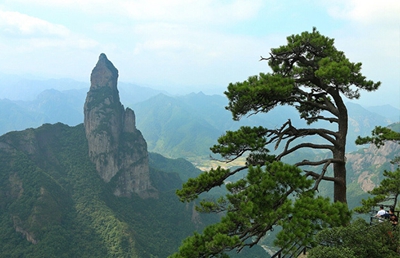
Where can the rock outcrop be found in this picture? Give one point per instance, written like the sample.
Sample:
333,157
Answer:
369,163
115,145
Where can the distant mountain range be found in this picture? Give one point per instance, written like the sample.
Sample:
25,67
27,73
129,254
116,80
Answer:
174,126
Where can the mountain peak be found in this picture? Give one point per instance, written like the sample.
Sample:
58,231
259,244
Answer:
102,55
116,147
104,74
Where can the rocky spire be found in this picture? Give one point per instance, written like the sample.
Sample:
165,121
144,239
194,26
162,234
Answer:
104,74
115,145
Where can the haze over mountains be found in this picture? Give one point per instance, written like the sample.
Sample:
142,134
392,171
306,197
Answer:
174,126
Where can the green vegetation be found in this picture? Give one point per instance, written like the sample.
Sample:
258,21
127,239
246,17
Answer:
180,166
51,194
359,239
257,203
388,190
54,204
174,129
310,74
380,135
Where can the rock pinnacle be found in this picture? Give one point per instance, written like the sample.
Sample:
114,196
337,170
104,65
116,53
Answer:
116,147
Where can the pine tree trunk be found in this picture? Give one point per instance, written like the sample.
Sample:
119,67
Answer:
339,169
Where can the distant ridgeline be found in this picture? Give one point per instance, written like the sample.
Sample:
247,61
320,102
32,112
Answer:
92,190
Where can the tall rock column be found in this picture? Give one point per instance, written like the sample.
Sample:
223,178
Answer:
117,148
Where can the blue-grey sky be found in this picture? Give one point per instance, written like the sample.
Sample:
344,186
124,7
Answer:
184,46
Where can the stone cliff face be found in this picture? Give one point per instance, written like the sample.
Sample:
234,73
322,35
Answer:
115,145
367,162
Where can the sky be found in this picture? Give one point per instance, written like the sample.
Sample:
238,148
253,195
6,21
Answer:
183,46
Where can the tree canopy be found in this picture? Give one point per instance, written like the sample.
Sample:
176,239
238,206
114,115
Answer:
311,75
358,239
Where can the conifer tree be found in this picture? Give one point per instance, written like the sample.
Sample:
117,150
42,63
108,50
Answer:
311,75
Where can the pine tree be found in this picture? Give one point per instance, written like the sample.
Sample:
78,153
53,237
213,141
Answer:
311,75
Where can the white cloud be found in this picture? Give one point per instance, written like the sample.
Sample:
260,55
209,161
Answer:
367,11
372,32
205,11
25,33
371,36
19,24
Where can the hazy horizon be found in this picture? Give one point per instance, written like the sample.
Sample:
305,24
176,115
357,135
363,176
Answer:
186,46
60,86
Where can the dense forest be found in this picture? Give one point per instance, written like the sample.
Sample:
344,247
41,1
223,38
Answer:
53,203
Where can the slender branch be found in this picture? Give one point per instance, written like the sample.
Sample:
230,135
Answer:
292,131
316,176
305,145
329,119
317,163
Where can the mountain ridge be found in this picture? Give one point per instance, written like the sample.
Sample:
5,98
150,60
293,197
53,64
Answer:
88,190
19,115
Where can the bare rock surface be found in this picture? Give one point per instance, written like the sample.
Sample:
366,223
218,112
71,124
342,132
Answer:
115,145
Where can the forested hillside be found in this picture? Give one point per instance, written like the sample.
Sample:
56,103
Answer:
54,204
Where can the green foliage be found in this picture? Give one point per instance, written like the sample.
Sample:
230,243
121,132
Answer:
379,136
194,140
50,192
359,239
276,195
235,144
203,183
174,129
310,74
310,60
253,94
164,182
182,167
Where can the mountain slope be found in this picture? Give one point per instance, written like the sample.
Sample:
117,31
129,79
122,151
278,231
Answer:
389,112
173,128
15,117
52,195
